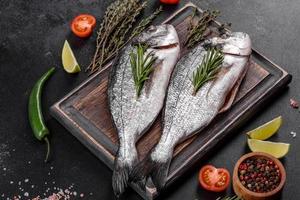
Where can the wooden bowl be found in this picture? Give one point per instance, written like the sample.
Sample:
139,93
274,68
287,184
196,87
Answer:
246,194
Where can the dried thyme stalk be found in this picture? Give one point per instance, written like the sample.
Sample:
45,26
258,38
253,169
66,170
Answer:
196,32
229,198
116,30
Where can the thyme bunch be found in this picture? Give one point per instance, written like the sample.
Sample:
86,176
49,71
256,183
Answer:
208,69
116,30
142,66
196,32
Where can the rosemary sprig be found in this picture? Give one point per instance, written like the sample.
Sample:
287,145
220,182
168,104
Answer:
229,198
208,69
142,66
116,30
196,32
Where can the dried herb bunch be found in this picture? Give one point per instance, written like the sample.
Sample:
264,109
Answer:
196,32
208,69
116,29
142,66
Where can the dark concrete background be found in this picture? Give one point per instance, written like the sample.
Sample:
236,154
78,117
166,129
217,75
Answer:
32,33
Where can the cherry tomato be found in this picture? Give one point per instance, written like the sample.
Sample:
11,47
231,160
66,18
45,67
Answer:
83,25
170,1
214,179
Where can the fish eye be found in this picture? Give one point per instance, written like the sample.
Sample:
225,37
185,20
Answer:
152,29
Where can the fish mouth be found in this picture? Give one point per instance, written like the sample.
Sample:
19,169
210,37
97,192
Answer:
168,46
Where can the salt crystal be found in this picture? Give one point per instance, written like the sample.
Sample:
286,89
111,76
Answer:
294,134
26,194
32,186
19,183
26,180
11,182
81,195
4,169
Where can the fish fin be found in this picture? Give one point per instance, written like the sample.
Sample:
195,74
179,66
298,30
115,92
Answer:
120,176
159,173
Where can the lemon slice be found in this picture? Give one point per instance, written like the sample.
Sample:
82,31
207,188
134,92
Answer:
68,59
266,130
276,149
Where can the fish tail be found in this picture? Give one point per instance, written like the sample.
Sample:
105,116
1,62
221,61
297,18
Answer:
141,170
157,170
121,173
160,172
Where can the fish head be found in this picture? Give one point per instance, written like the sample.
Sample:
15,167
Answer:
158,36
236,43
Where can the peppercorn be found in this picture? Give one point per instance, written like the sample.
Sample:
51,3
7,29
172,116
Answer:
259,174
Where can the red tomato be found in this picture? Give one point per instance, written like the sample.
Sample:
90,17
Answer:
83,25
214,179
170,1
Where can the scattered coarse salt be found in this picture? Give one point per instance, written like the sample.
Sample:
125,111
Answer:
19,183
11,182
294,134
75,193
32,186
26,180
81,195
26,194
4,169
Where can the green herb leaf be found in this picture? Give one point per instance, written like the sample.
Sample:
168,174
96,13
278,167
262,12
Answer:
208,69
142,66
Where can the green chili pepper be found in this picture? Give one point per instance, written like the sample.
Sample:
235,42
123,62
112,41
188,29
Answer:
36,119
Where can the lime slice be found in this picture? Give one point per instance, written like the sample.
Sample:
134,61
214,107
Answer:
68,59
266,130
276,149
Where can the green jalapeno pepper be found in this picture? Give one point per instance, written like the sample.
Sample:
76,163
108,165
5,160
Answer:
35,114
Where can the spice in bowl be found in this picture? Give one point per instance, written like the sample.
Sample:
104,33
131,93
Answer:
259,174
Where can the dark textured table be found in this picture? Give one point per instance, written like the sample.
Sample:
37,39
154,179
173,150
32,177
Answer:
32,33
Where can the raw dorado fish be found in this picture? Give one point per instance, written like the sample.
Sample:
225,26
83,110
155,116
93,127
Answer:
185,114
133,115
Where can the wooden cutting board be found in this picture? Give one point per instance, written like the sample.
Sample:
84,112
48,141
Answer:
85,113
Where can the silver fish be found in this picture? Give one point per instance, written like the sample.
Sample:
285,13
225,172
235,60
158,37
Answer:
133,116
186,114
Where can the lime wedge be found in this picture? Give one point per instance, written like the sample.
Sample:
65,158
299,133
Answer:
266,130
276,149
68,59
